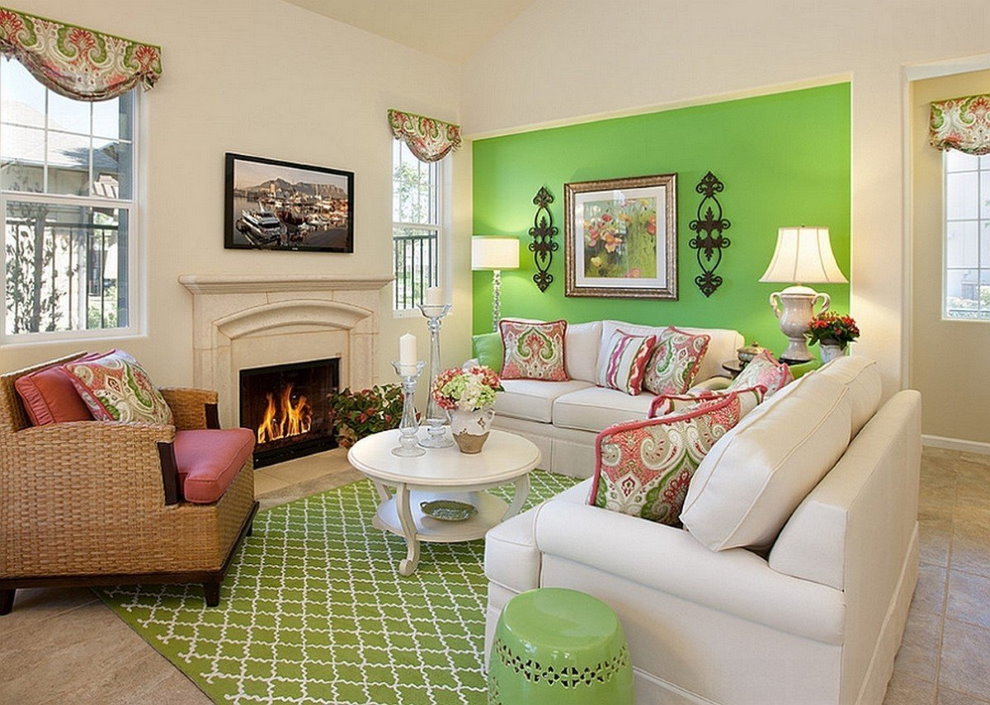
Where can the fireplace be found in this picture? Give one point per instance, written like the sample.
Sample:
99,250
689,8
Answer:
288,407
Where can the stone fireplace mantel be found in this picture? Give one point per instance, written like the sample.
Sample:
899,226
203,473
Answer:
246,321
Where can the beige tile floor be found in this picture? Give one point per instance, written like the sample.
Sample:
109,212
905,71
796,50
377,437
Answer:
63,645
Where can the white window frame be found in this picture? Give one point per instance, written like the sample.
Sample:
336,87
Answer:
979,264
441,227
135,249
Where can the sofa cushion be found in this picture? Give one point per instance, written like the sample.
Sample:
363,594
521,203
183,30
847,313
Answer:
533,350
748,486
116,388
643,469
763,370
209,459
624,361
581,350
595,408
50,397
861,376
675,361
532,399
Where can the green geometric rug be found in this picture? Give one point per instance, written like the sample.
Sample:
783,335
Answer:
313,610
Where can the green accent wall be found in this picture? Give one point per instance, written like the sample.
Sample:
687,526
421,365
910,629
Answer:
784,160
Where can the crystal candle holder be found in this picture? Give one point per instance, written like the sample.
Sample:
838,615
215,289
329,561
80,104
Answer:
408,425
437,418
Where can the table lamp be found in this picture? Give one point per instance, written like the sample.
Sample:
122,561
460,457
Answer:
803,255
495,254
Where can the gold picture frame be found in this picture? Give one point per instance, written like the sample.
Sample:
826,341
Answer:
620,238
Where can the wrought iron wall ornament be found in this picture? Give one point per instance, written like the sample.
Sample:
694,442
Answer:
709,242
543,232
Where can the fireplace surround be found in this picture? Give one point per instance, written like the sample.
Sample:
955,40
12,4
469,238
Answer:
242,322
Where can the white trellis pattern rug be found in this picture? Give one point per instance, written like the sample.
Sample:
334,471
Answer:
313,610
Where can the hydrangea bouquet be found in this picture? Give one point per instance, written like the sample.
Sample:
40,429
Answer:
467,389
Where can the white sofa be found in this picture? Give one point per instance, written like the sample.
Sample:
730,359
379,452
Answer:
562,418
814,620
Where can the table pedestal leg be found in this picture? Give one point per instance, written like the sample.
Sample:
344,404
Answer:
518,497
407,566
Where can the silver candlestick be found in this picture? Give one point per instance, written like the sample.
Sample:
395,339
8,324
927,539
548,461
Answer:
437,418
408,426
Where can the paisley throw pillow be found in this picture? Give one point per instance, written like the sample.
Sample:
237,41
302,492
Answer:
675,361
533,350
623,366
763,370
116,388
749,399
644,468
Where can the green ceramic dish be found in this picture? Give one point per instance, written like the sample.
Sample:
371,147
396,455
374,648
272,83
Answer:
448,510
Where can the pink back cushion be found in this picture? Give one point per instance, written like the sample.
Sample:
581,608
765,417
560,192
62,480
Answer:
50,397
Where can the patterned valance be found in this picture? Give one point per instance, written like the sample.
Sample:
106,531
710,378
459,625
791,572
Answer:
428,139
962,124
77,62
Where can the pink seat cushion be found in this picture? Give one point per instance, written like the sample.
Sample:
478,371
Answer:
50,397
209,459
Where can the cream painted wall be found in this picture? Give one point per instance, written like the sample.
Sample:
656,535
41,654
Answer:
568,60
263,77
945,355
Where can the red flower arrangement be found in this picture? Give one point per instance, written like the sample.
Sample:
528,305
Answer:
829,327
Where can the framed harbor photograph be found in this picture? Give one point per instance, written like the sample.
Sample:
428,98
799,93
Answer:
276,205
620,238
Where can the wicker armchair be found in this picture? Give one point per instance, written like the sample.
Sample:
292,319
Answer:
96,503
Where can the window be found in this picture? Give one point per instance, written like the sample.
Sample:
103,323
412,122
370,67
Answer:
67,197
967,236
416,214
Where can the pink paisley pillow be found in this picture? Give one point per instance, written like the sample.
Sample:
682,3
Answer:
763,370
675,361
533,350
116,388
749,399
644,468
623,366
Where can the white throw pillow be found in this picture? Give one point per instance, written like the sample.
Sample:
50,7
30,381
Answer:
581,345
754,478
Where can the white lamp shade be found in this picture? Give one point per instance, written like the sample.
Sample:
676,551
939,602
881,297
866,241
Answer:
803,255
494,253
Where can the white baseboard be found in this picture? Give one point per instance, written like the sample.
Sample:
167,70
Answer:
955,444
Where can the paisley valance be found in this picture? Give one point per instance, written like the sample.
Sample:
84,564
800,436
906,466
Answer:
430,140
77,62
962,124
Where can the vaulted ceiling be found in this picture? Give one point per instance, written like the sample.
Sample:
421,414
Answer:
450,29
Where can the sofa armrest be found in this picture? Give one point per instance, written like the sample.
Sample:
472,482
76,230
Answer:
512,559
671,561
192,408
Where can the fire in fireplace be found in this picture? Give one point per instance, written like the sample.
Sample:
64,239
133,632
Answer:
288,407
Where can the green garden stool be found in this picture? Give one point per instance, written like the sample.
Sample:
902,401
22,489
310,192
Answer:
555,646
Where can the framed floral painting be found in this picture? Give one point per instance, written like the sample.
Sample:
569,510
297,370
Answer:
621,237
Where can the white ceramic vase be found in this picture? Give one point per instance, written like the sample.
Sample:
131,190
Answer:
470,428
830,351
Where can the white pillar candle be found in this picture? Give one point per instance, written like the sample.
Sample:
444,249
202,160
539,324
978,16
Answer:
407,353
434,296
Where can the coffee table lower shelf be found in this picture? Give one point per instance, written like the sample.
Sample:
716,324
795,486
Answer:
490,508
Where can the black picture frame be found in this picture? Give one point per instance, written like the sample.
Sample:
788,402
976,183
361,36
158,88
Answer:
269,205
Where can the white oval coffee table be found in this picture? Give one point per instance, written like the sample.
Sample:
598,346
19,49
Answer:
443,473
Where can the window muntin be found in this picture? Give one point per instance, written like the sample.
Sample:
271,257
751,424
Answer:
417,203
66,195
